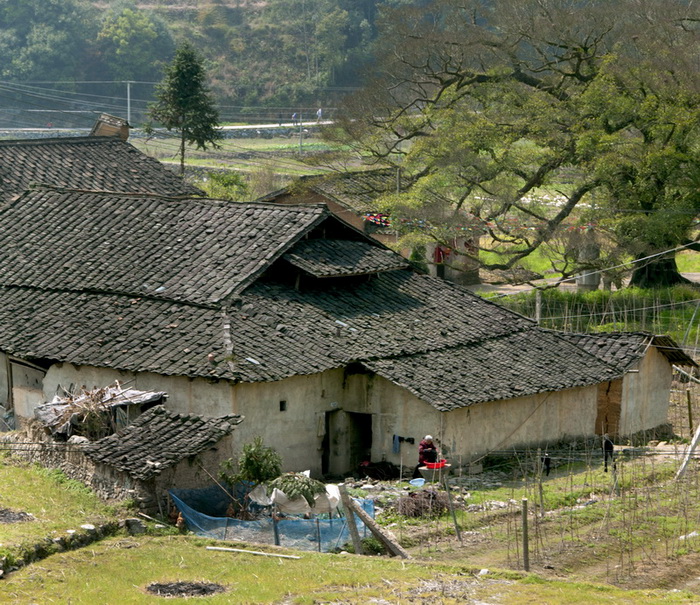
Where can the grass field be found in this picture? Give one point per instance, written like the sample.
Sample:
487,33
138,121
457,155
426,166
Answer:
120,569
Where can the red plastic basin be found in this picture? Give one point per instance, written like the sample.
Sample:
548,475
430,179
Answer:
432,465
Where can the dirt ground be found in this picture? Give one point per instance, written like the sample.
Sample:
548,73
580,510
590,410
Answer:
594,552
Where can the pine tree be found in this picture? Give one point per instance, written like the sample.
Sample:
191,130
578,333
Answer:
185,103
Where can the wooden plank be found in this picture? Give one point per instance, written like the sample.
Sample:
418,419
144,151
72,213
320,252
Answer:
392,546
252,552
350,519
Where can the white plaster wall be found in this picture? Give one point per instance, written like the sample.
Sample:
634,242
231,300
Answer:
185,395
27,391
465,432
645,394
298,431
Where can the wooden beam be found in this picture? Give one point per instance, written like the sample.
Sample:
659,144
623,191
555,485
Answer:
384,537
350,519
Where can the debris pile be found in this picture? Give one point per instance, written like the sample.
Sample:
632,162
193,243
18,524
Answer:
94,413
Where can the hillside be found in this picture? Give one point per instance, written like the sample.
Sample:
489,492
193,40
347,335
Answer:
267,58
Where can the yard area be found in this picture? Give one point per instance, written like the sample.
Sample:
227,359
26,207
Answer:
629,535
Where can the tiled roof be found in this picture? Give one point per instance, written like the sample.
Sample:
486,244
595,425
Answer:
395,313
89,163
194,250
199,287
275,331
334,258
623,349
121,332
515,365
159,439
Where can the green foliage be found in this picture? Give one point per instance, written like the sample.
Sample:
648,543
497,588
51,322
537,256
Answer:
133,44
45,39
228,185
257,463
298,485
587,150
185,104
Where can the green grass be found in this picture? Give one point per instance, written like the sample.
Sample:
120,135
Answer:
688,262
57,504
119,569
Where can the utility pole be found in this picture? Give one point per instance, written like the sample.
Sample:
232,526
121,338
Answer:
128,100
301,133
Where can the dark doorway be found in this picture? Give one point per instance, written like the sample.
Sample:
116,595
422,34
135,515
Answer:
347,441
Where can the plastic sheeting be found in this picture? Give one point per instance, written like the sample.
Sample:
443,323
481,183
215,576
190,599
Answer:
204,510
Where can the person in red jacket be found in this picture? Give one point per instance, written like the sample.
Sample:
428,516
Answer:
427,452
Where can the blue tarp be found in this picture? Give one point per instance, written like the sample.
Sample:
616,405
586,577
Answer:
204,511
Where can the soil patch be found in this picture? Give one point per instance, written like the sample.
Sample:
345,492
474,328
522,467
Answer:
11,516
184,589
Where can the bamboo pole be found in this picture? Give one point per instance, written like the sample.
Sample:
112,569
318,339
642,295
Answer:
252,552
688,454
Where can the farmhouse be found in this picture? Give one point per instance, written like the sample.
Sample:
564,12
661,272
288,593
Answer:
330,345
91,163
639,399
145,459
353,197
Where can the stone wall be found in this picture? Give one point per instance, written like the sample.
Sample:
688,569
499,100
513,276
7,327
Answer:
108,483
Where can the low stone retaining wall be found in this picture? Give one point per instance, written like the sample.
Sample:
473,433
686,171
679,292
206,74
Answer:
108,483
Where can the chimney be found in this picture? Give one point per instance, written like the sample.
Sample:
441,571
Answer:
110,126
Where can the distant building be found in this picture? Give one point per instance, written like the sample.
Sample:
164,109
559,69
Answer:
353,196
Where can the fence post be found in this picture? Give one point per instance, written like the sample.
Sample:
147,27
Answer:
452,510
275,529
526,547
690,411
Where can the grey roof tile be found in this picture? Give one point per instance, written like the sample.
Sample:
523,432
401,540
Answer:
89,163
194,250
159,439
624,349
334,258
514,365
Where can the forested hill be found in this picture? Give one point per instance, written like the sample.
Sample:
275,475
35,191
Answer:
267,56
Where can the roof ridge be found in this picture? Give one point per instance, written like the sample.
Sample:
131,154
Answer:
117,293
57,140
